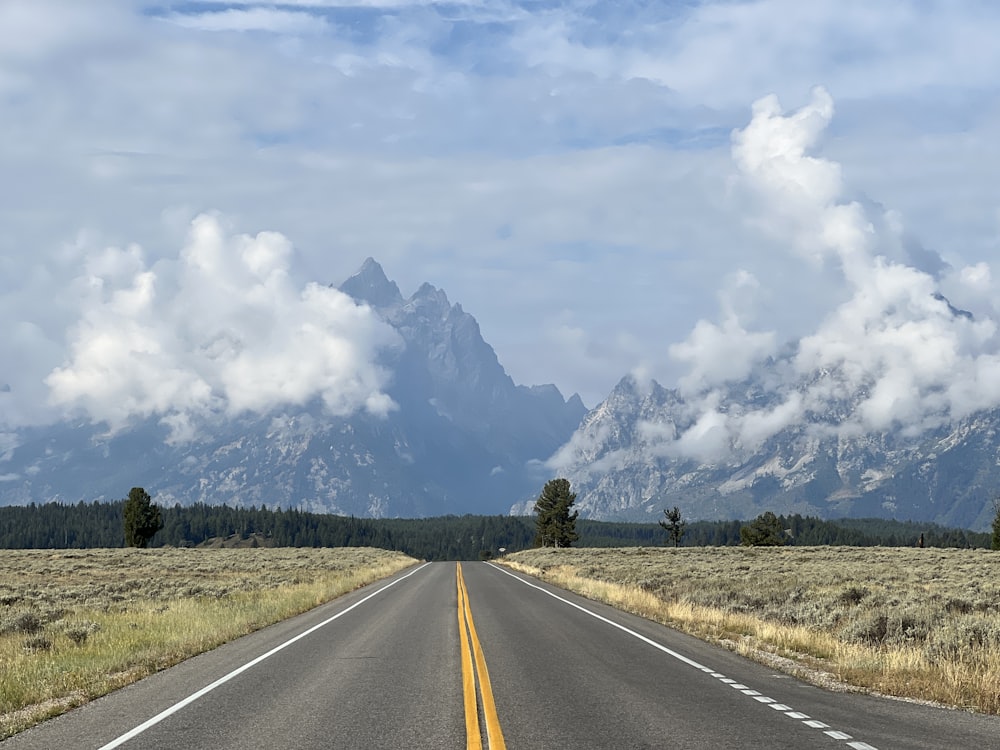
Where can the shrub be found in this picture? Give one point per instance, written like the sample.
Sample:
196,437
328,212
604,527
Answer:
80,631
37,643
23,622
852,595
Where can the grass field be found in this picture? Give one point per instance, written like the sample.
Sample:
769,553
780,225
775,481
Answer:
919,623
916,623
76,624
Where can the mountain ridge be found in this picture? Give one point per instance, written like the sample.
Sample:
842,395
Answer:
462,438
626,463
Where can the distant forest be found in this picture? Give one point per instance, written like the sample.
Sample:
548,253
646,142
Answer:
57,526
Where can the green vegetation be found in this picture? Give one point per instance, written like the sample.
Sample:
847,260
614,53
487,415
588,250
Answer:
995,536
674,525
763,531
142,518
88,526
918,623
554,525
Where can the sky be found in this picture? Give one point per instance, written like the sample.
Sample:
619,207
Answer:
675,190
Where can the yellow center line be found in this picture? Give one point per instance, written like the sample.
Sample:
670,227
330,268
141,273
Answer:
472,648
474,740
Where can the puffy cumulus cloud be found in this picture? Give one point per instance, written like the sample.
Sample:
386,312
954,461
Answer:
794,190
415,131
220,330
896,355
904,344
720,353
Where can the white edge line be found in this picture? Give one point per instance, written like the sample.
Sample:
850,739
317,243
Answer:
240,670
651,642
612,623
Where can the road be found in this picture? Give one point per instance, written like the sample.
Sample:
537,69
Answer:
470,656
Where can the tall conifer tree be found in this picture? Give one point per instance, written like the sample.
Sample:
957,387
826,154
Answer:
555,526
142,518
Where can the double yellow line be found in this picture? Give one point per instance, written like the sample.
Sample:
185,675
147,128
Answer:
472,652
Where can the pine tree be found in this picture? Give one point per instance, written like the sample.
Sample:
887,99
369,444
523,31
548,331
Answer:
142,518
766,530
995,539
674,525
555,526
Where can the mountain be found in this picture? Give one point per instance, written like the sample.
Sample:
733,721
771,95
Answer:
448,365
621,464
464,439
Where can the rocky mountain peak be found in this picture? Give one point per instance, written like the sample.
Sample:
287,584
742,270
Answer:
461,423
430,298
952,309
370,285
645,448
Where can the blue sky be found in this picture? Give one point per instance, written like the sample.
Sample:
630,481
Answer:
567,171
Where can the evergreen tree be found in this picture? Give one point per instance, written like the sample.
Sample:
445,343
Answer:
554,525
674,525
766,530
142,518
995,538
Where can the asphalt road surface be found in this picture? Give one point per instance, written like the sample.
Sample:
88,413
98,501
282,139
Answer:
474,656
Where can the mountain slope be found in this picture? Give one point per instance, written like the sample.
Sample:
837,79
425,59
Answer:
626,462
463,437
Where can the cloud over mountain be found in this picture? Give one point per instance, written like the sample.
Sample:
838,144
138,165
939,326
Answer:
220,330
894,355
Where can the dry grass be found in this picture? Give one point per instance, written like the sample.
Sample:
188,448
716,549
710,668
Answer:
76,624
916,623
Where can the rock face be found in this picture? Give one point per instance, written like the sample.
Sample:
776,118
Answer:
464,438
620,468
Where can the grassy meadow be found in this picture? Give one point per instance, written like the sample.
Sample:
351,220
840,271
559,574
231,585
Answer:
76,624
915,623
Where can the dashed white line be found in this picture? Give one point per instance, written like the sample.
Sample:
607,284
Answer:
757,696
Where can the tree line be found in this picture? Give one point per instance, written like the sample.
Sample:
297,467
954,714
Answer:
469,537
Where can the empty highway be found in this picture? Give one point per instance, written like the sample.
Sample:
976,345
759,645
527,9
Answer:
474,656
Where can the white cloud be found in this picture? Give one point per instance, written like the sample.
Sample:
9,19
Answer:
897,356
319,4
221,330
755,427
977,277
719,353
794,188
255,19
596,136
